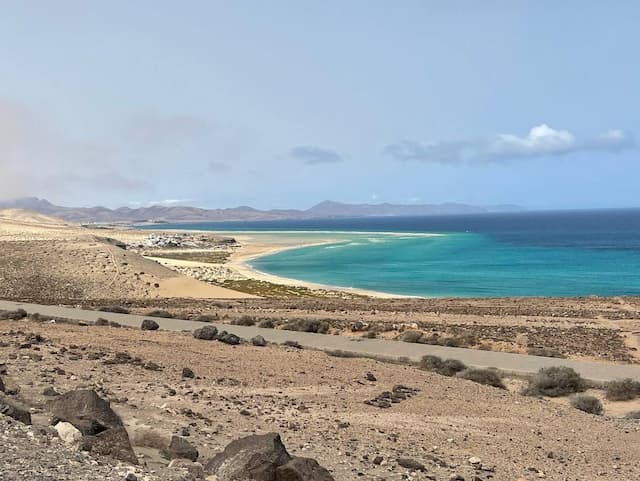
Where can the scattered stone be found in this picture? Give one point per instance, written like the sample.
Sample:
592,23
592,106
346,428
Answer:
131,477
15,410
50,392
259,341
302,469
206,333
371,377
180,448
194,470
68,433
412,464
229,338
397,394
152,366
187,373
149,325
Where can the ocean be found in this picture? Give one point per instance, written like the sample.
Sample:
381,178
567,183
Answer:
564,253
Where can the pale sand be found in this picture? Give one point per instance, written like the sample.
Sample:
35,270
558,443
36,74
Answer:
254,246
188,287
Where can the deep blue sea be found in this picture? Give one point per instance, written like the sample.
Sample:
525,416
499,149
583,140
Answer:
567,253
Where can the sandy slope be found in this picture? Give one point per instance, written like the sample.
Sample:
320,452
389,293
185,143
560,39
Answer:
42,254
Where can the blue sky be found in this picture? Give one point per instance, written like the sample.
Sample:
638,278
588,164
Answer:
288,103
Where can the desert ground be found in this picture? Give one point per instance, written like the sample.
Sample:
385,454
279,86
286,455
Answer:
317,404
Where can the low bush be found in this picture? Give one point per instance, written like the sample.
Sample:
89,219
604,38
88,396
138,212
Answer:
16,315
411,336
294,344
101,322
206,318
622,390
160,313
586,403
307,325
448,367
431,363
544,352
370,334
267,324
488,377
632,415
553,382
114,309
244,321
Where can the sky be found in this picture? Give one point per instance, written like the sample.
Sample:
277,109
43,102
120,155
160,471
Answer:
284,104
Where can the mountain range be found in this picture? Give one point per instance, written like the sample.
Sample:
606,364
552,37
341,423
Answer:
160,213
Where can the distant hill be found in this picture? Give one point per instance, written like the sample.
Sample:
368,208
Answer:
159,213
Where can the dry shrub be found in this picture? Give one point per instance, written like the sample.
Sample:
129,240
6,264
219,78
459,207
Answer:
586,403
488,377
554,381
622,389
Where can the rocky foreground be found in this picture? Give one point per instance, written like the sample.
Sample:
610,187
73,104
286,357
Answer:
108,403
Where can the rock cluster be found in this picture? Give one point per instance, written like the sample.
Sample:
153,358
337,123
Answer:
265,458
397,394
102,429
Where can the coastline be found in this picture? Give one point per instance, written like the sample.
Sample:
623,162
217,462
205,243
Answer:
251,247
240,263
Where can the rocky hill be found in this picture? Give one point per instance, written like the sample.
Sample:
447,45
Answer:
323,210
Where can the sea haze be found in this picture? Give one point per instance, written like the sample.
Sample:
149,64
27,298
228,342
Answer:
567,253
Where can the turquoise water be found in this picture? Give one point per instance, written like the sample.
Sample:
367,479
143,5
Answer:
535,254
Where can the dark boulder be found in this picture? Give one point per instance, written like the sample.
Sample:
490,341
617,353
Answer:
149,325
263,458
251,458
102,429
229,338
113,442
302,469
2,387
411,464
15,410
259,341
87,411
206,333
180,448
188,373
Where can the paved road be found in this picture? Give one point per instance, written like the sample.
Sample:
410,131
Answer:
514,363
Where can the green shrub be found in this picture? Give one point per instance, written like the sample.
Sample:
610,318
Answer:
622,389
588,404
554,381
488,377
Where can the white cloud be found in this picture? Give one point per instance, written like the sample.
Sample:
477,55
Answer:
541,140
